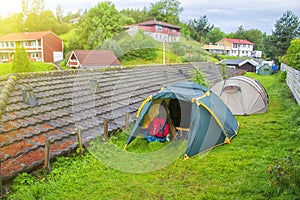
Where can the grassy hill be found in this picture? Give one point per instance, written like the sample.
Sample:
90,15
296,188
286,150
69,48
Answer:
254,166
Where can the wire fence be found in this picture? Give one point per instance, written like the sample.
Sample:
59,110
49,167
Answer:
292,80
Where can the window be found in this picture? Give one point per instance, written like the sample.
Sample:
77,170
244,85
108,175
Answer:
4,56
35,55
24,44
33,43
158,28
235,46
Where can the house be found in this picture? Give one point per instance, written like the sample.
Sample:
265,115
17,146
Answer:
41,46
74,20
160,31
92,59
248,65
231,47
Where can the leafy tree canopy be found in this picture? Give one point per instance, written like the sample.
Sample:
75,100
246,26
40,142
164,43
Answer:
100,23
292,56
287,28
21,61
167,11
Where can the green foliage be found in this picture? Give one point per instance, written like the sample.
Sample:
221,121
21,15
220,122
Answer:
282,77
198,77
139,45
166,10
287,28
100,23
285,91
113,45
178,49
284,176
215,35
136,14
292,56
200,28
21,61
6,68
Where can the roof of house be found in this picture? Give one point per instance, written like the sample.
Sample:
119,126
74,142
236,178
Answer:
69,99
26,36
239,62
154,22
238,41
93,58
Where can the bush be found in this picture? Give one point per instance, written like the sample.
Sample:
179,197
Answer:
285,91
284,176
282,77
198,78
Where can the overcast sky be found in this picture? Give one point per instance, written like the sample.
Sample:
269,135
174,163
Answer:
227,15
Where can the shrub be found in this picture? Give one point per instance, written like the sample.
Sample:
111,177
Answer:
284,176
21,62
282,77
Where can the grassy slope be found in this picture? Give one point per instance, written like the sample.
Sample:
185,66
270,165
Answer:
235,171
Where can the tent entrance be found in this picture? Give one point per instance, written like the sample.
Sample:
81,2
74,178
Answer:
180,113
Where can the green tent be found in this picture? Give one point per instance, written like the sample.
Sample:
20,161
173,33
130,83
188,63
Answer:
265,70
192,108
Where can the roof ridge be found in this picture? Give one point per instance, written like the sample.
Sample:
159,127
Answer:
6,90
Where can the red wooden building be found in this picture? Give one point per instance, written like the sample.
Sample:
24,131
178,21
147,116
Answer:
41,46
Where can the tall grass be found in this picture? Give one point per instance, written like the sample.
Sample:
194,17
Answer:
239,170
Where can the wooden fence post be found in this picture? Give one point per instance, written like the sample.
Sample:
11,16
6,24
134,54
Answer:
105,128
126,121
79,139
47,156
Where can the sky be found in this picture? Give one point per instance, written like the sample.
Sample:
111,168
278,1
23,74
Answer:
227,15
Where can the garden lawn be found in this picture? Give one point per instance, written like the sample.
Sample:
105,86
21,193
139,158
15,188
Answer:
233,171
6,68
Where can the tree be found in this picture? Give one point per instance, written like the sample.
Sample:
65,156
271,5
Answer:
113,45
200,28
21,62
137,15
240,33
98,24
287,28
215,35
167,11
59,13
12,24
292,56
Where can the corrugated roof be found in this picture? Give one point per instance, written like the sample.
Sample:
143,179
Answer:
91,58
25,36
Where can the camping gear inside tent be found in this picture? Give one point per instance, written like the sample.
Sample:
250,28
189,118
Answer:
265,70
207,121
242,95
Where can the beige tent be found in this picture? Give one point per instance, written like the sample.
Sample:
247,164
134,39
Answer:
243,95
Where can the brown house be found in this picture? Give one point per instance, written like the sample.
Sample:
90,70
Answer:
41,46
92,59
248,65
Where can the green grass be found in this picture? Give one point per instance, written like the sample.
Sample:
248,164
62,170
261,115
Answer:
6,68
234,171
